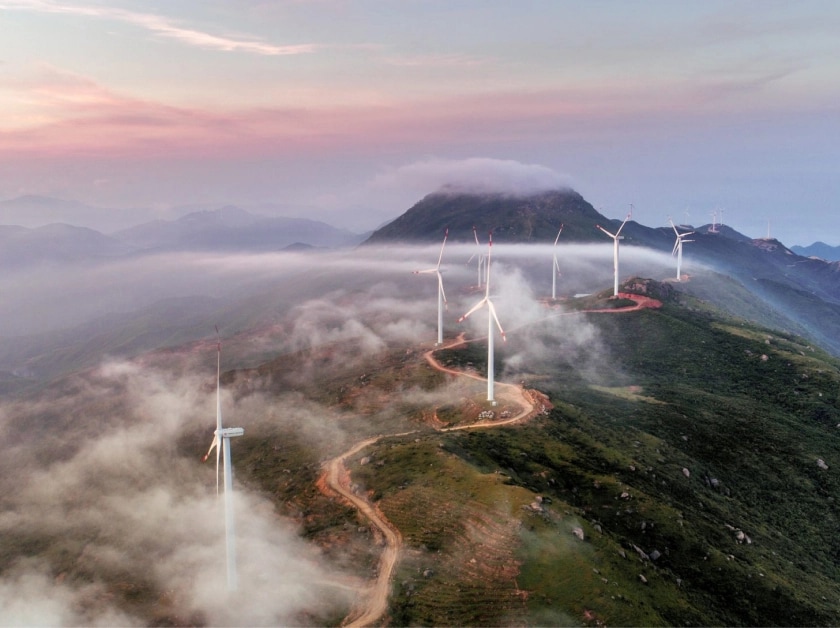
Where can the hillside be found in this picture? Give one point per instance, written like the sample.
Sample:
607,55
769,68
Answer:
805,290
691,481
680,468
511,218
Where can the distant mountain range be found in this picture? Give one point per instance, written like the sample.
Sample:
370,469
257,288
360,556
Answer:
226,229
818,249
234,229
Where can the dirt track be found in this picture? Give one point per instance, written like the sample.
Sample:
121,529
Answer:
337,478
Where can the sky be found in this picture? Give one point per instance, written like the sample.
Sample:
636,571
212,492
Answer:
350,112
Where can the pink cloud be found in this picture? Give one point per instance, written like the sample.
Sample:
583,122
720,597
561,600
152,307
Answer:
162,26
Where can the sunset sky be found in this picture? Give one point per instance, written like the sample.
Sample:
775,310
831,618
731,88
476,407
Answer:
351,111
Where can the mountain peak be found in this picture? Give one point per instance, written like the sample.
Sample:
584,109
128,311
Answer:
511,217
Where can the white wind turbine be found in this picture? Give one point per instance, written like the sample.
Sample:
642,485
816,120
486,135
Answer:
555,267
678,247
441,293
221,439
480,257
491,316
616,237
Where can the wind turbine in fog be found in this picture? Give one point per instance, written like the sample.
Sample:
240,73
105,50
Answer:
221,439
616,237
480,257
491,316
441,293
678,247
555,267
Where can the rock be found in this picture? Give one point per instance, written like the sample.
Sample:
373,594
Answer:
428,573
625,495
364,461
686,472
578,532
821,464
643,579
654,555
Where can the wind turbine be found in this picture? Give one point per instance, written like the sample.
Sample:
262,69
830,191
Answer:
491,316
555,267
480,256
678,247
441,293
221,439
616,237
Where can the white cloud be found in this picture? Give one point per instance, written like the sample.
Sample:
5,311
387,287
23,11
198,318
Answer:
476,174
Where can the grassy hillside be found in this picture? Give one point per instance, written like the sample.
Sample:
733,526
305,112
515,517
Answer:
701,474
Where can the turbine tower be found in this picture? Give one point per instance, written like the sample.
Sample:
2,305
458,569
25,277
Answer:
221,438
491,316
678,247
480,257
616,237
441,293
555,267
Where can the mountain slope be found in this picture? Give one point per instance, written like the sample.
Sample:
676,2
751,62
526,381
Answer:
805,290
21,246
511,218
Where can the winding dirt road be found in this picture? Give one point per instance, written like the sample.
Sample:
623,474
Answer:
336,477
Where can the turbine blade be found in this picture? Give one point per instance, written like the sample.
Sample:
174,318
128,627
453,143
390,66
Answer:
607,232
676,246
622,224
475,307
440,257
487,268
215,444
558,235
475,233
496,318
218,451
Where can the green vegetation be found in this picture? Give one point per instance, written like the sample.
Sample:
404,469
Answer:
701,473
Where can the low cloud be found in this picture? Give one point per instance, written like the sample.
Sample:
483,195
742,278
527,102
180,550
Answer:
126,511
473,175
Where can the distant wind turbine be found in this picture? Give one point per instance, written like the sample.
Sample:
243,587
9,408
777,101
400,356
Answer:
678,247
441,293
714,227
221,437
616,237
480,257
555,266
491,316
